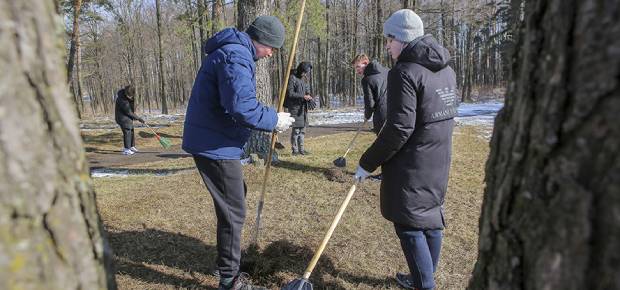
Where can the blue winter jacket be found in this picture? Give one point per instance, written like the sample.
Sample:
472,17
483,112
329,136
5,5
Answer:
223,108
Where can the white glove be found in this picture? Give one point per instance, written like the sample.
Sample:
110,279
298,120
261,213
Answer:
284,121
361,174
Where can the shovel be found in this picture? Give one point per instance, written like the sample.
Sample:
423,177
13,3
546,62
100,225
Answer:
342,161
303,283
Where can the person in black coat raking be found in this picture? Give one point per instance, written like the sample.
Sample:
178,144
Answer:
124,113
415,145
298,101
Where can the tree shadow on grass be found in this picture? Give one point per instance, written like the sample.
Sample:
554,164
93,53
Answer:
105,138
134,248
274,266
282,261
144,134
299,167
331,173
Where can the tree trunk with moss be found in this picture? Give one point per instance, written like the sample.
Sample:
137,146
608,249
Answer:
51,236
550,217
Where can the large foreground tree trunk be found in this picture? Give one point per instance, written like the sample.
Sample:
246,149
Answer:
551,212
51,236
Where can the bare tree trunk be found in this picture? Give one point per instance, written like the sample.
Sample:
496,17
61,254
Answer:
379,31
550,212
201,30
327,77
162,79
216,19
51,236
409,4
73,50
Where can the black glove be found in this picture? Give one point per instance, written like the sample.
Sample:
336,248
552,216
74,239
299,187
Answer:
140,120
311,104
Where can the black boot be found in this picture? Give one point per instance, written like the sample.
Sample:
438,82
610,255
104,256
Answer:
241,282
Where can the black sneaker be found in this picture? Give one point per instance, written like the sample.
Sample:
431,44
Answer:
295,153
404,280
304,152
242,282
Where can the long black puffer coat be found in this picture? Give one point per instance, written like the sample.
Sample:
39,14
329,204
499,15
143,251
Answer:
415,146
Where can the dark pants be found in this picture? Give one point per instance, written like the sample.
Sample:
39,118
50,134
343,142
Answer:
297,139
224,180
128,138
421,249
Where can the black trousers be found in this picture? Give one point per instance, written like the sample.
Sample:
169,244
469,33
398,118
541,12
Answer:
224,180
129,139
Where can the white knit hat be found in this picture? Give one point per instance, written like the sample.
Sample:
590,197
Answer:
404,25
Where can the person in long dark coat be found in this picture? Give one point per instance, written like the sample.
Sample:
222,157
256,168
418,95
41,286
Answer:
298,101
374,85
415,145
125,114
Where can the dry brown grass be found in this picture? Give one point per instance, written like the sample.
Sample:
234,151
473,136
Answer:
162,229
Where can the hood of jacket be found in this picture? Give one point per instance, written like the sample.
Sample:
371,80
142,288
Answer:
230,36
373,68
427,52
303,67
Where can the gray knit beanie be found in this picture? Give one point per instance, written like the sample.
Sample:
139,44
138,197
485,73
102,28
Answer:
267,30
404,25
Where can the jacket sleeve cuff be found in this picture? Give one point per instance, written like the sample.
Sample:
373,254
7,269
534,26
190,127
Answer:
366,165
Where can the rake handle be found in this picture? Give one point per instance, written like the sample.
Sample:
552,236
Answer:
329,233
359,129
147,125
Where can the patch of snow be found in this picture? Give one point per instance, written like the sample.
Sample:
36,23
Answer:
340,116
111,172
98,173
469,114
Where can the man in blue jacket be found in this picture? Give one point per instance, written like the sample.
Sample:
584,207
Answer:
222,111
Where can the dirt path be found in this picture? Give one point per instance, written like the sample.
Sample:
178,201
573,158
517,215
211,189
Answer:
113,159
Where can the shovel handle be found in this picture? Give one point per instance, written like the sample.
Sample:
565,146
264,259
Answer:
329,233
359,129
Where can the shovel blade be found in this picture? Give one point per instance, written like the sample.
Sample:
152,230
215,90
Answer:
340,162
279,146
298,284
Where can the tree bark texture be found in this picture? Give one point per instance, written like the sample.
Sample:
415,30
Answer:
51,236
162,79
551,211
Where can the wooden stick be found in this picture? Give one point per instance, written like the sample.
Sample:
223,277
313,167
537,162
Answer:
329,233
359,129
291,58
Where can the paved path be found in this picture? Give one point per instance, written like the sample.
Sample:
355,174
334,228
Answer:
113,159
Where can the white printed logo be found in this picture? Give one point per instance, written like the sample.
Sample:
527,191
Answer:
448,96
